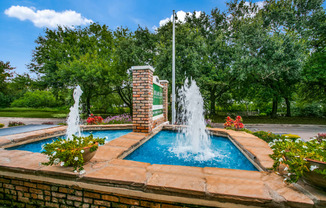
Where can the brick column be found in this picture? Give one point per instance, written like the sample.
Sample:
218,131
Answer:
165,83
142,97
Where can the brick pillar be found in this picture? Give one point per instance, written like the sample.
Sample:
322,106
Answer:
142,97
165,84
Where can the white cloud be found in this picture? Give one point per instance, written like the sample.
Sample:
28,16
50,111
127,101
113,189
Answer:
46,17
181,17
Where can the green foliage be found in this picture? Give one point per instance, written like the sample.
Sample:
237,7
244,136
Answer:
5,74
309,110
36,99
293,153
267,136
69,152
1,125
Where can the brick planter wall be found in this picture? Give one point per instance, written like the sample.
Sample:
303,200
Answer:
19,192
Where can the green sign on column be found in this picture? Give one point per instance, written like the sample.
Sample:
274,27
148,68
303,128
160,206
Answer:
157,100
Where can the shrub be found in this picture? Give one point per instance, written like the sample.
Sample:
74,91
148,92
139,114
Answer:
1,125
119,119
234,124
310,110
15,123
94,120
66,152
36,99
48,123
294,154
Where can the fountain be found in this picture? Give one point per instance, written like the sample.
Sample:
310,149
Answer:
194,138
73,120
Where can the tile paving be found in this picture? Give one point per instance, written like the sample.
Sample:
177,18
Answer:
263,188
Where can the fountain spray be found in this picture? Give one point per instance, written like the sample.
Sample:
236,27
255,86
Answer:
73,120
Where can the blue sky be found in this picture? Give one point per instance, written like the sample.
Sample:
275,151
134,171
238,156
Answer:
22,21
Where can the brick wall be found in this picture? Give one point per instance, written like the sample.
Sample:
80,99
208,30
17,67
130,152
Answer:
19,192
142,98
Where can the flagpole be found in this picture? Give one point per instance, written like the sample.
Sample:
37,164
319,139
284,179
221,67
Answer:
173,70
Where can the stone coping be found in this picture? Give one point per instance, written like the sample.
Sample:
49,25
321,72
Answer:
200,185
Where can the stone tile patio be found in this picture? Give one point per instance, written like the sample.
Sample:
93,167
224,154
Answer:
201,186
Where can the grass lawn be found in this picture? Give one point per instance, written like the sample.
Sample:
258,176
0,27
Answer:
33,112
278,120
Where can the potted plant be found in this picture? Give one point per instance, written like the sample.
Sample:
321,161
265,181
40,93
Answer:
73,152
305,160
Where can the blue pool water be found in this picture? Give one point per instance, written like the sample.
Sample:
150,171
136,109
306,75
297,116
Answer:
157,151
37,146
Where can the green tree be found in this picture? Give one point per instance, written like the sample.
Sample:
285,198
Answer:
66,57
5,74
269,54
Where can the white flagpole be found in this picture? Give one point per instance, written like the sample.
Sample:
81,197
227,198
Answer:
173,71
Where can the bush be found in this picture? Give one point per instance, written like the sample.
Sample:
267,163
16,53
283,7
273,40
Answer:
267,136
15,123
4,100
119,119
1,125
36,99
69,152
310,110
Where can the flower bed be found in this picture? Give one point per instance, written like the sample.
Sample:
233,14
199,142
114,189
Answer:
118,119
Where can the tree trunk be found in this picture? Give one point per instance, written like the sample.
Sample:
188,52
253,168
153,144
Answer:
274,110
288,107
213,102
88,104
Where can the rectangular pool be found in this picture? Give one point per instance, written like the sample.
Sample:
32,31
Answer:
157,150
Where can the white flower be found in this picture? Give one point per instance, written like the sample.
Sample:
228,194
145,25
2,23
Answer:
305,147
271,144
54,153
75,171
289,174
82,172
82,151
297,141
286,168
281,159
62,163
313,167
76,158
297,156
56,161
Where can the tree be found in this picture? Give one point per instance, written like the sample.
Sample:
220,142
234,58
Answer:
5,75
269,54
67,57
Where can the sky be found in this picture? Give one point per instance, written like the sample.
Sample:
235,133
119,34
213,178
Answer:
22,21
